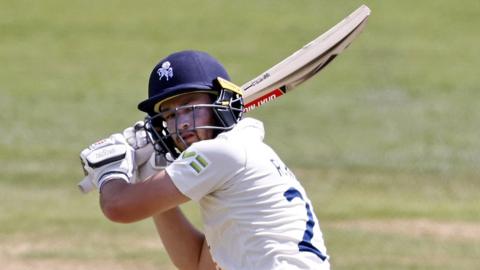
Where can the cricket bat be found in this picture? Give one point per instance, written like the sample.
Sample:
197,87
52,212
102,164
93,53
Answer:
304,63
296,68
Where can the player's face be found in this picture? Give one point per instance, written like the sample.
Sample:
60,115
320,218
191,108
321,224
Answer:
184,119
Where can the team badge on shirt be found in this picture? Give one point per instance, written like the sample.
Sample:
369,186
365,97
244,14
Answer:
198,163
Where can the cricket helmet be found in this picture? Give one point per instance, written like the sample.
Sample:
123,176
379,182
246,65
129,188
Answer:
186,72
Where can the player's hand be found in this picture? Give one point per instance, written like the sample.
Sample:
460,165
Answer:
146,161
108,159
154,164
136,137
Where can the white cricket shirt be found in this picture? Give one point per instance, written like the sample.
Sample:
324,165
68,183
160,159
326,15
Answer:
256,214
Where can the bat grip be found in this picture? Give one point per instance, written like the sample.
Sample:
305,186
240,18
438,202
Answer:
85,185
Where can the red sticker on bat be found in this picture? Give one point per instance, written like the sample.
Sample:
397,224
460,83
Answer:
263,99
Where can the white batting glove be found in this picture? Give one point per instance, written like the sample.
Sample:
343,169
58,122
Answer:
154,164
136,137
108,159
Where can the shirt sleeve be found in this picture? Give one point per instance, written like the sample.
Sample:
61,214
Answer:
205,167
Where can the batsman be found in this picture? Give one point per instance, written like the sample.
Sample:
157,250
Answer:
196,145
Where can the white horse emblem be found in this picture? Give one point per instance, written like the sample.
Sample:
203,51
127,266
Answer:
165,71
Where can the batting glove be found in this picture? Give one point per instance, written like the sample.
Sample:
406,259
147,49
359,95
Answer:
108,159
147,162
154,164
137,138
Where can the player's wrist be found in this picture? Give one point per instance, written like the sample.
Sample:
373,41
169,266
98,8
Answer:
112,178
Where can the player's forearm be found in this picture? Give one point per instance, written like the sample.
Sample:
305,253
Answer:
116,203
183,242
125,203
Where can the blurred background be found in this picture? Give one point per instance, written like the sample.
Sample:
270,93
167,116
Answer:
385,140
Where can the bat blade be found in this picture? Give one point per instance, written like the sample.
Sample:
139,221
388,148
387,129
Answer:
304,63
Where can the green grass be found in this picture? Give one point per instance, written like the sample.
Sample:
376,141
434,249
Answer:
387,133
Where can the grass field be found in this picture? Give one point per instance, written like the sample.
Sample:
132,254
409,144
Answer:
385,140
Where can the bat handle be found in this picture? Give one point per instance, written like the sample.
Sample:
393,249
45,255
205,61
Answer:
86,185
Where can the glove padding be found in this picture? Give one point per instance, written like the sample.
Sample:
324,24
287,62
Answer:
154,164
108,159
147,162
136,137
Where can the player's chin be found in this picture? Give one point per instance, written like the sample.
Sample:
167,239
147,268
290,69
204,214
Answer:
190,141
184,143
